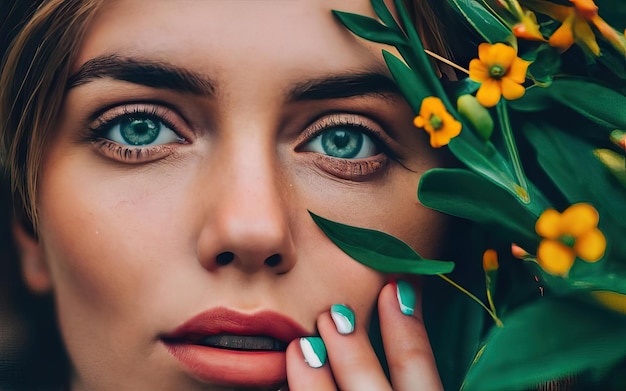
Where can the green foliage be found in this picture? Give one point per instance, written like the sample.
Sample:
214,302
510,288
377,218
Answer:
573,102
564,337
480,201
380,251
484,22
596,102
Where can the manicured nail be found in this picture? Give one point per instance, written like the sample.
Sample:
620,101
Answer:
406,297
314,351
343,318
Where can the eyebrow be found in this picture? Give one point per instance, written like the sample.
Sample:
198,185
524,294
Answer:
144,72
344,86
161,75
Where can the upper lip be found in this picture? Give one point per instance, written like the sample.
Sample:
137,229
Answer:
225,321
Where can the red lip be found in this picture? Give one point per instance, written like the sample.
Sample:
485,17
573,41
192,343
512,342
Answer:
233,367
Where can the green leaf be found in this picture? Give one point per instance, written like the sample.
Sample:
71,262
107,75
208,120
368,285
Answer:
380,8
370,29
483,21
463,87
571,164
378,250
411,86
596,102
465,194
483,158
547,340
546,63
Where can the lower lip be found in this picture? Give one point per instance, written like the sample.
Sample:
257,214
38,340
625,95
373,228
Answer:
231,367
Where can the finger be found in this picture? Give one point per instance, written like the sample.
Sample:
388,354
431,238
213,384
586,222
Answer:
352,360
409,355
301,376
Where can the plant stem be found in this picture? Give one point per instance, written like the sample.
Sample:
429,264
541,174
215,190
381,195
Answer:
445,61
509,141
476,299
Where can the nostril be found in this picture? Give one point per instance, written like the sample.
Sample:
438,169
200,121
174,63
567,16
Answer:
224,258
274,260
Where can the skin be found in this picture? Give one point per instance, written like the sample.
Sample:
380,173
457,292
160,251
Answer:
128,247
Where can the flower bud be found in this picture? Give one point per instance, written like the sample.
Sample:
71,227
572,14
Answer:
477,115
490,260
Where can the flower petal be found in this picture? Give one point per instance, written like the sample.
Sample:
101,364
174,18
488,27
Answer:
555,257
478,71
438,139
489,93
419,121
586,8
590,246
452,127
563,37
434,105
517,71
549,224
579,218
502,54
610,34
583,34
484,51
512,90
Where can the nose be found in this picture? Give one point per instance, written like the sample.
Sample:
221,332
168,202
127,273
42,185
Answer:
247,224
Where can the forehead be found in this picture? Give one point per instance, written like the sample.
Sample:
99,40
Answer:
210,36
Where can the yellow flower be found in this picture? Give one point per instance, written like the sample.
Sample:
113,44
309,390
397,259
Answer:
435,119
528,28
524,23
500,72
567,235
575,25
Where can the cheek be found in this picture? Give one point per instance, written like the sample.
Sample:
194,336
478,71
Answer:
335,278
99,235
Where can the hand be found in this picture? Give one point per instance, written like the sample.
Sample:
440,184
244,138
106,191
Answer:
352,364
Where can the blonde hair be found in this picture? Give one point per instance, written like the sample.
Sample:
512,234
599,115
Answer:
32,86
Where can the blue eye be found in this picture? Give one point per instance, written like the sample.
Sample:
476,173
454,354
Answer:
141,131
344,142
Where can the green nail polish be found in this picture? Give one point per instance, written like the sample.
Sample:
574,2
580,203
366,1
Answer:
314,351
343,318
406,297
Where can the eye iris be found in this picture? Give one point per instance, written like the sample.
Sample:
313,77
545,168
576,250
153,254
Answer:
342,143
139,131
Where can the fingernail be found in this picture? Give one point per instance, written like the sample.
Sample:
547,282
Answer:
314,351
406,297
343,318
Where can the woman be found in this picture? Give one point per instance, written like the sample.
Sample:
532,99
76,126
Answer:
167,155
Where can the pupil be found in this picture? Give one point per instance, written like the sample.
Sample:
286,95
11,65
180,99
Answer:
139,131
342,143
341,139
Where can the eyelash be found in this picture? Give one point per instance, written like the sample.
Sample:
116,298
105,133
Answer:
351,169
98,129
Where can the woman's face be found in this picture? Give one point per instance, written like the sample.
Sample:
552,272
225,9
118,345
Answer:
174,194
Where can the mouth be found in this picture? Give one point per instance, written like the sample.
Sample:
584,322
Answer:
233,342
229,348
